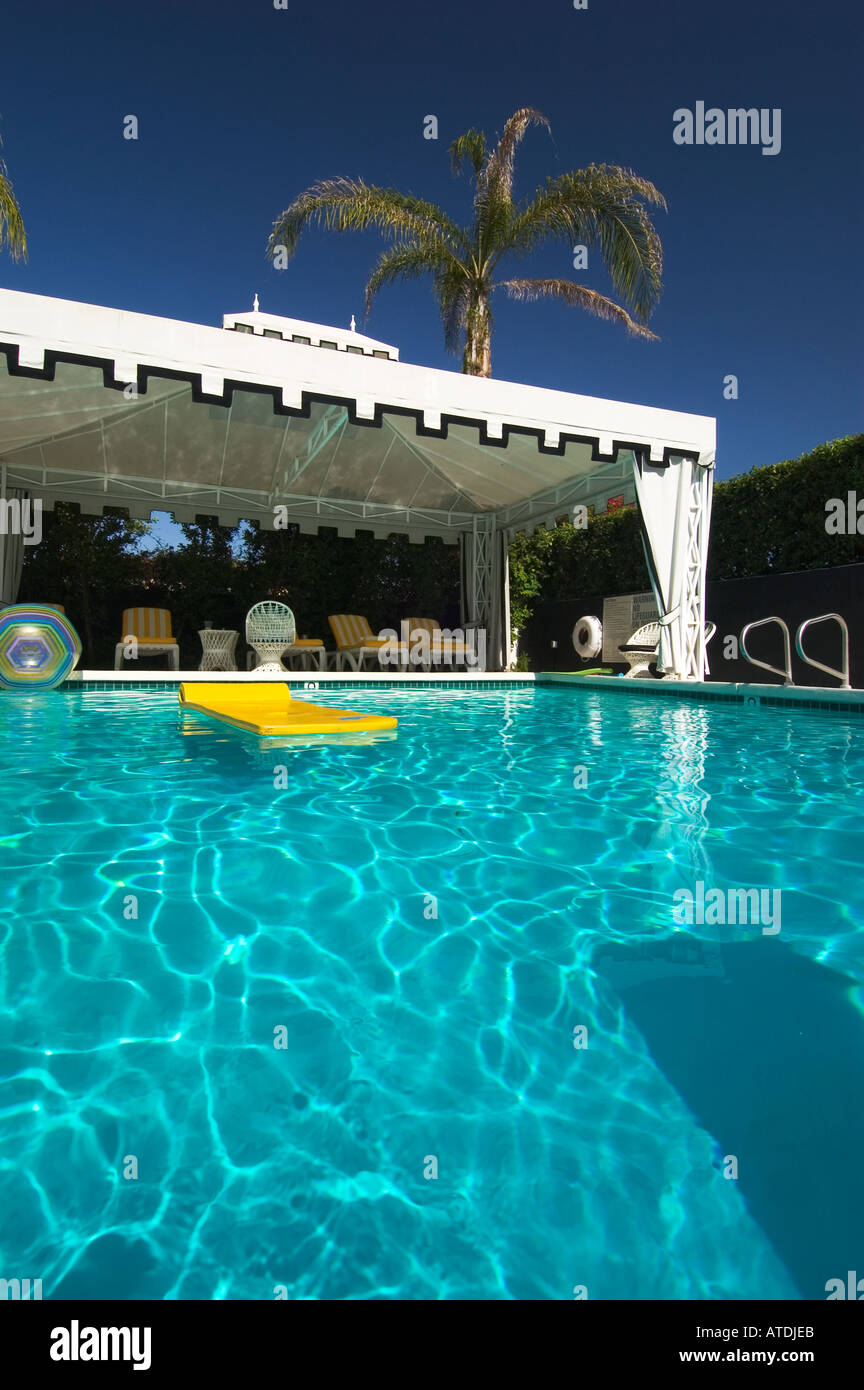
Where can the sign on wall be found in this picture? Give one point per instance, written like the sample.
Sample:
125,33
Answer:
622,616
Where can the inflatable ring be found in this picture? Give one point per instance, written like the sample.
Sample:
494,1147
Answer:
588,638
39,647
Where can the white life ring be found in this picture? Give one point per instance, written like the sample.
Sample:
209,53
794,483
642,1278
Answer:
588,637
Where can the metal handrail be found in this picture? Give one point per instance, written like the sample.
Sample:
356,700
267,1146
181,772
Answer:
787,672
841,676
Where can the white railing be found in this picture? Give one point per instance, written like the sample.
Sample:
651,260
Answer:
786,673
842,675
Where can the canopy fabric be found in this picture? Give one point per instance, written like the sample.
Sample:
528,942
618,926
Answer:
75,440
232,424
105,408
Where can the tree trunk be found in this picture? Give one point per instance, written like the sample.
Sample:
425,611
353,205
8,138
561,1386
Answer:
477,360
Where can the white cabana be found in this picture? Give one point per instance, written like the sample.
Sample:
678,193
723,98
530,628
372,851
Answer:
276,420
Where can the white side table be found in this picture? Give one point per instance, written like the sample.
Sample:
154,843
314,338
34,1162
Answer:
217,644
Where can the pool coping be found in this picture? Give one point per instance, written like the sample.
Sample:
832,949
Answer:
746,694
295,680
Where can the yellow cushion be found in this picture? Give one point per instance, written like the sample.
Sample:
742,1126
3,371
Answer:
433,628
148,625
352,630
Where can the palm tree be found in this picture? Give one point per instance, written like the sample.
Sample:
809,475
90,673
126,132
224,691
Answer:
601,207
12,233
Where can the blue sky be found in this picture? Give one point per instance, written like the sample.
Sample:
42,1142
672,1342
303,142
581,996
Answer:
241,106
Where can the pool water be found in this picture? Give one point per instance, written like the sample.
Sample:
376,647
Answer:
412,1018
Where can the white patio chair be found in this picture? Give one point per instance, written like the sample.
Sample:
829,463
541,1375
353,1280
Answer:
270,628
643,648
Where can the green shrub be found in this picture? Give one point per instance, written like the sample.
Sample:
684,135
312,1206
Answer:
767,521
772,520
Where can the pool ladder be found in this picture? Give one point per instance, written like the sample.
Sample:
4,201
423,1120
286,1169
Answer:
841,675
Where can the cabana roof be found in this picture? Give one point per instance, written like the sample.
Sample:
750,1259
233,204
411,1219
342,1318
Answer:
113,409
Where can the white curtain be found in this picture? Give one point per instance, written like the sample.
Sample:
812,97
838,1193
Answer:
663,495
706,481
11,555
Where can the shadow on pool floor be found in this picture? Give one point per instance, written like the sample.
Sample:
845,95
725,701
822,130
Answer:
766,1048
114,1266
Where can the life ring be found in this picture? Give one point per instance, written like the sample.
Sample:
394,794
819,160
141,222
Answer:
588,638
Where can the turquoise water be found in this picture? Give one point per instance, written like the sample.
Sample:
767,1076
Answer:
423,922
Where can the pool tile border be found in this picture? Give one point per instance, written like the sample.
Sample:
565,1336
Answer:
813,698
81,687
808,697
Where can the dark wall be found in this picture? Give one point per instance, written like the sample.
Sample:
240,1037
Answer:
554,622
731,603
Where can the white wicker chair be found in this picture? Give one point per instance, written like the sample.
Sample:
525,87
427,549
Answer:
270,628
643,648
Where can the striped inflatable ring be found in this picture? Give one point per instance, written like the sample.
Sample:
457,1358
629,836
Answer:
39,647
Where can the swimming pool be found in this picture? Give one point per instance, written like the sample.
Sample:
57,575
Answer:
287,998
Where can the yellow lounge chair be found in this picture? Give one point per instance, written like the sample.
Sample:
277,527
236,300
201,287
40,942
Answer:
442,650
355,640
151,628
269,708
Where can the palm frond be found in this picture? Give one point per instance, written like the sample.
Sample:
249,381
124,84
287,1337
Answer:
472,147
603,207
578,296
453,292
493,203
498,175
407,261
12,234
350,205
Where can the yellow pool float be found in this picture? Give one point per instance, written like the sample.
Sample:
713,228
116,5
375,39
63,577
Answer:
267,707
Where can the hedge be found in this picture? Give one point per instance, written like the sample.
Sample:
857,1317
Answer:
768,521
